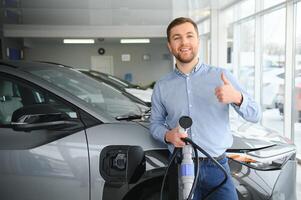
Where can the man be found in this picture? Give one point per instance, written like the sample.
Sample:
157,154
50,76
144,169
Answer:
204,93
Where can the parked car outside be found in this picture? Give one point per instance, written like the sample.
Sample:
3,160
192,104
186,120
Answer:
271,81
270,87
296,94
143,94
64,135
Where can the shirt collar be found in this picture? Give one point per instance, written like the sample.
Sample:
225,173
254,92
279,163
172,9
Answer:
194,70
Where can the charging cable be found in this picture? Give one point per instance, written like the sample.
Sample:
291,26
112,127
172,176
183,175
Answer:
185,122
188,140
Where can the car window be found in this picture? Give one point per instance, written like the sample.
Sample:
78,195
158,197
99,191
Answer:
118,81
15,95
31,116
281,75
107,78
100,95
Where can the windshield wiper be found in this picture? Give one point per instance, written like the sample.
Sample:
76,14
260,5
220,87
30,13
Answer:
128,117
147,112
144,116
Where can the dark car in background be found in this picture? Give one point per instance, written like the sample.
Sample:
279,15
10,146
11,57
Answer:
64,135
135,90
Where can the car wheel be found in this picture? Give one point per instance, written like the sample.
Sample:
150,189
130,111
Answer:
154,196
153,193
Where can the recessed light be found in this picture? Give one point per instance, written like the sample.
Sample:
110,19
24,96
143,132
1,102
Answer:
78,41
134,41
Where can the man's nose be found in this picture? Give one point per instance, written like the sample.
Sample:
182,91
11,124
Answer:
185,40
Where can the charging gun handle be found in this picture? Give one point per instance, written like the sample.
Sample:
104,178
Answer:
187,168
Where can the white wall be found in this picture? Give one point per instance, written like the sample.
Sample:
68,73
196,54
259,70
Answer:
144,72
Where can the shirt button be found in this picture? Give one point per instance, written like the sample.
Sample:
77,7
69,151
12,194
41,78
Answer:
188,91
190,105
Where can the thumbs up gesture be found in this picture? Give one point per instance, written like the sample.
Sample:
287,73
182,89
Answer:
226,93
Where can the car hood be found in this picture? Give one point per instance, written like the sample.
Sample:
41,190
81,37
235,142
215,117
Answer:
250,137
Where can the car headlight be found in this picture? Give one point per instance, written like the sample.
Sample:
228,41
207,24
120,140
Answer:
264,159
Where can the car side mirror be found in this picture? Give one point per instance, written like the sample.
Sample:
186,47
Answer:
122,163
39,116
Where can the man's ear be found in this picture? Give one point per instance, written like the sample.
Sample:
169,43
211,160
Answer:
168,45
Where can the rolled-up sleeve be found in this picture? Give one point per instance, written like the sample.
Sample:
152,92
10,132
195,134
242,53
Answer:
158,116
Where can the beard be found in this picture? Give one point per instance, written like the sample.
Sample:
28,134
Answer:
185,59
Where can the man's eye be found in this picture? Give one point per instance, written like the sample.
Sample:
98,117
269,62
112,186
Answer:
176,38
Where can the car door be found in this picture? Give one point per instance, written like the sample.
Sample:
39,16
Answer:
43,162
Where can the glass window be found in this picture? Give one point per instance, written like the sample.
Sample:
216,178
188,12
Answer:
14,96
204,32
270,3
273,60
246,8
204,27
297,91
199,9
228,16
246,56
98,94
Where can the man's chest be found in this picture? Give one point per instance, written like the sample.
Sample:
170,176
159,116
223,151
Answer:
189,95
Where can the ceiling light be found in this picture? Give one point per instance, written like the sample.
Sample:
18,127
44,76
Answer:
78,41
132,41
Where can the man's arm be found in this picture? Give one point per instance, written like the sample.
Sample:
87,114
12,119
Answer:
158,114
226,93
158,128
174,137
231,92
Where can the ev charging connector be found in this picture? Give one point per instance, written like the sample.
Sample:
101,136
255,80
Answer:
187,165
188,172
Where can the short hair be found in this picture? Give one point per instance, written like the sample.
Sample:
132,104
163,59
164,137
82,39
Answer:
178,21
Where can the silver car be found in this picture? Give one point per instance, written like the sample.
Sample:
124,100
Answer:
64,135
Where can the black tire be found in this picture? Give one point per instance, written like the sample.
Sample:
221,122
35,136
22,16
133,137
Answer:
154,196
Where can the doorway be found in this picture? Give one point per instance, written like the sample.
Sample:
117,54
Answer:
102,64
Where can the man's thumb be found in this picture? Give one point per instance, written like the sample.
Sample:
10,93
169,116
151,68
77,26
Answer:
225,80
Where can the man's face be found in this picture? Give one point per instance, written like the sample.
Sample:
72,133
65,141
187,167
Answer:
184,42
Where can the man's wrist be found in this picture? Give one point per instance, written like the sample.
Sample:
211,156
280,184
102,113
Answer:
165,138
239,99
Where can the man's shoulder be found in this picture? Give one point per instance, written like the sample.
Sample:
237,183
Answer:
165,81
214,69
167,77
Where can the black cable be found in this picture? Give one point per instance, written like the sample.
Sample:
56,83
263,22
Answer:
195,148
173,156
210,157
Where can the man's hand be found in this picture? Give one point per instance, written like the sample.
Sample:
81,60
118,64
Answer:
173,136
227,93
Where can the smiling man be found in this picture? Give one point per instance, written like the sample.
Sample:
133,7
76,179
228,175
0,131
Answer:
204,93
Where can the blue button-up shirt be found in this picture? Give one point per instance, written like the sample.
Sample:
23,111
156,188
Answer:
193,95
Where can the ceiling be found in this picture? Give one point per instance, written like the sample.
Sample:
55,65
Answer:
99,18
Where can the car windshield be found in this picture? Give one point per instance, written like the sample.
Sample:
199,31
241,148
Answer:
101,95
121,83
